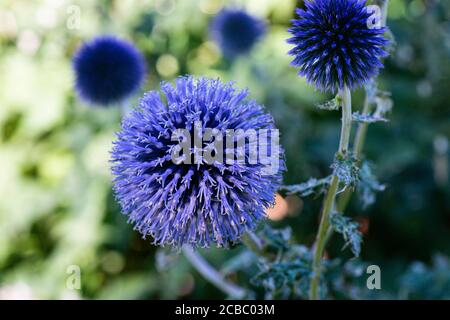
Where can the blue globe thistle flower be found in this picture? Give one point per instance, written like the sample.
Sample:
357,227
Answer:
334,47
198,204
108,70
235,31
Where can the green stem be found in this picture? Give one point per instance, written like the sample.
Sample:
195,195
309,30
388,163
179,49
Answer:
384,11
331,195
212,275
320,239
254,243
361,133
360,138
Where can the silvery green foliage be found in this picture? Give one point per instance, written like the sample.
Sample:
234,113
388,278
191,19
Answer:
371,90
346,169
367,118
311,187
276,240
382,102
349,231
427,282
288,276
368,185
380,99
333,104
285,271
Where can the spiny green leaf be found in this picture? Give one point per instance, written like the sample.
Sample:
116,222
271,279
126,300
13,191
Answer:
349,231
276,239
371,90
368,185
287,277
346,169
382,101
312,186
333,104
367,118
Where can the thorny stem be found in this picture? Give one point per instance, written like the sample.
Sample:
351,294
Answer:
212,275
331,195
358,144
360,138
361,132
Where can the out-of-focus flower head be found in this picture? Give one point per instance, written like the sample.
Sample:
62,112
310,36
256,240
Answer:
236,31
108,70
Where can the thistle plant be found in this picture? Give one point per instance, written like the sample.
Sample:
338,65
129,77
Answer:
208,226
338,47
337,50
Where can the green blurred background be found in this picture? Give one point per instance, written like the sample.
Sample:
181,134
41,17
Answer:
56,205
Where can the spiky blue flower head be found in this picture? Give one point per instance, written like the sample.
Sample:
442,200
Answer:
201,203
235,31
334,46
107,70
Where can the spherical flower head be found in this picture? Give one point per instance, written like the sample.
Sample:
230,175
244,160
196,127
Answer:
335,45
108,70
198,203
235,31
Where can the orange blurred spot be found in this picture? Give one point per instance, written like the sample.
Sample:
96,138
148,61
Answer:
279,210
